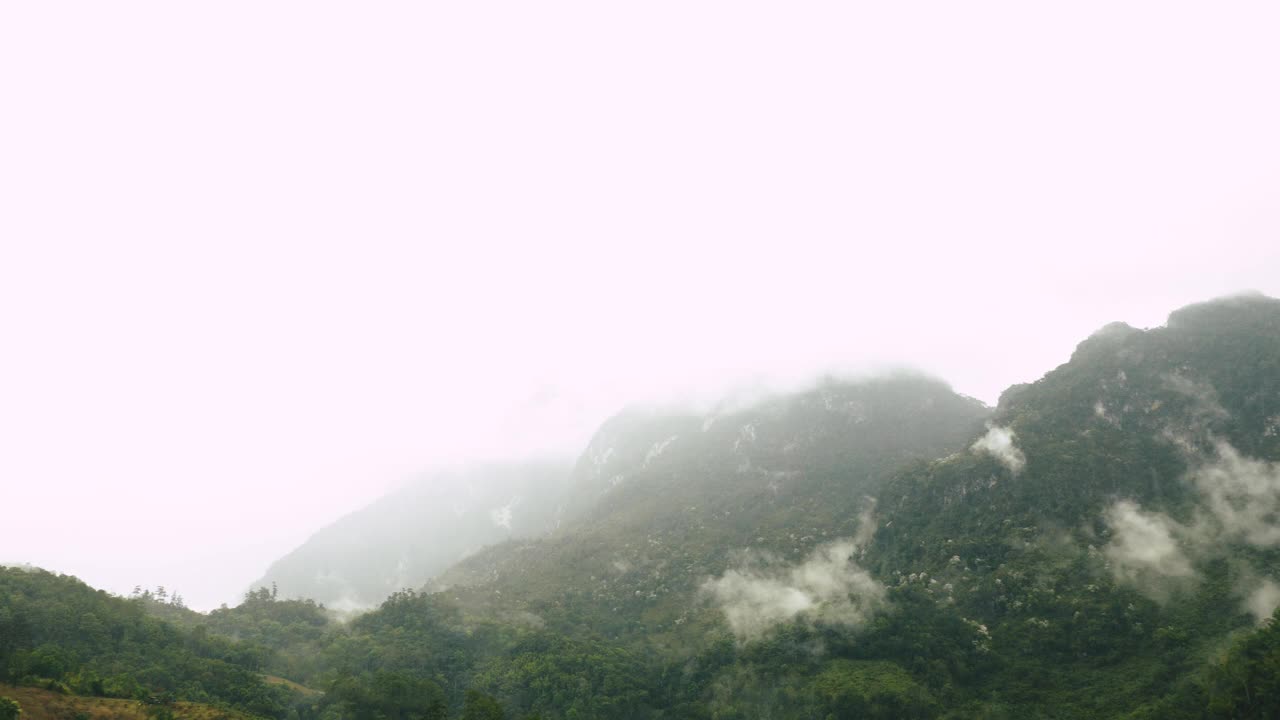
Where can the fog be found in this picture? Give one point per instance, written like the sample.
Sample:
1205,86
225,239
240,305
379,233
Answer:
828,587
260,263
1000,443
762,592
1238,500
1143,549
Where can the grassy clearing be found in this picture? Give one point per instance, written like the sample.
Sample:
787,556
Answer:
302,689
39,704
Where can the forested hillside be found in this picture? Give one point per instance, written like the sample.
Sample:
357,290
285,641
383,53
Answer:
60,634
1116,524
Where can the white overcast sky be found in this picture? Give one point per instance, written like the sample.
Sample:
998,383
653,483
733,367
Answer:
261,261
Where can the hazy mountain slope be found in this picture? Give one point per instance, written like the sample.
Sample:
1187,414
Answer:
778,443
407,537
674,498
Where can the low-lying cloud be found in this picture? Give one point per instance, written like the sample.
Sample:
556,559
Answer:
1263,600
828,587
1144,550
1242,498
1000,443
1240,505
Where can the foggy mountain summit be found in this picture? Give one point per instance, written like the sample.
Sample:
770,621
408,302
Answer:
773,436
639,457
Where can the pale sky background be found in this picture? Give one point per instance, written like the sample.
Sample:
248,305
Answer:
262,261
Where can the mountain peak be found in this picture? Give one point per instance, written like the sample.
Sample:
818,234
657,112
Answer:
1247,309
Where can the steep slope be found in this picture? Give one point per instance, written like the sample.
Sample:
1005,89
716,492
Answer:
672,499
1131,417
1117,521
407,537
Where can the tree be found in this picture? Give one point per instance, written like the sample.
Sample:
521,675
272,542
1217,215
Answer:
479,706
390,696
9,709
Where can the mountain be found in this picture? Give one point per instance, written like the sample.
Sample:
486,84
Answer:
1164,419
779,450
662,501
1118,517
783,443
1089,546
1105,543
407,537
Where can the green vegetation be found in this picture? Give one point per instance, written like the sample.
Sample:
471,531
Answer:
479,706
41,704
57,633
389,696
9,708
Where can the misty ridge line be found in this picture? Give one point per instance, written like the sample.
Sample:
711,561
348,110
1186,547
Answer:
999,442
729,426
454,485
746,394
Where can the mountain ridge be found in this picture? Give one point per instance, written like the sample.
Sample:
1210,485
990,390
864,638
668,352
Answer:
1105,542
